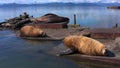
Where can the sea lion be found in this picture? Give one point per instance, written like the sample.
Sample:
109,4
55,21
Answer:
31,31
84,45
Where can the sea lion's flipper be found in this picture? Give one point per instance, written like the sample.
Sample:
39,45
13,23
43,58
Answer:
108,53
67,52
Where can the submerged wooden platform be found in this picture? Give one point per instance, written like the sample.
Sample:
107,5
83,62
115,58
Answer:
96,59
42,38
105,33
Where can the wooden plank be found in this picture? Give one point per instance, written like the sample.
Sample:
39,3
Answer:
96,59
42,38
111,33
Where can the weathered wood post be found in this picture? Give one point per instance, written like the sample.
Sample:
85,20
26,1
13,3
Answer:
116,25
74,19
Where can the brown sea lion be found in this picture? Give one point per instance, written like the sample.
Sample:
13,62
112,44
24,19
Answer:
51,18
31,31
84,45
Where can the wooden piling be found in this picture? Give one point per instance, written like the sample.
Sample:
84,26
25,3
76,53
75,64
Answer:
74,19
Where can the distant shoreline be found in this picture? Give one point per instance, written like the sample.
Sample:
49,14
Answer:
60,3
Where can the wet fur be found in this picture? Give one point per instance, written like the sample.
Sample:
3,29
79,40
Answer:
85,45
31,31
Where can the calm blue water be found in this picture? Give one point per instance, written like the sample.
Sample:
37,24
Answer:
90,16
20,53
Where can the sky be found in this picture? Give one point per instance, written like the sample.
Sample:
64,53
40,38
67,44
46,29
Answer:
65,1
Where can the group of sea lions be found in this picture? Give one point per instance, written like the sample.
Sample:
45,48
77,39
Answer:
21,20
33,31
80,44
16,22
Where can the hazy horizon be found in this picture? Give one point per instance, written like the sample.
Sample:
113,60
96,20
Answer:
61,1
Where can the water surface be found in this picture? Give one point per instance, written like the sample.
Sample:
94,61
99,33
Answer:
20,53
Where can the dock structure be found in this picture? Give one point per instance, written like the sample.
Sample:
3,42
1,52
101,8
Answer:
105,33
51,26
